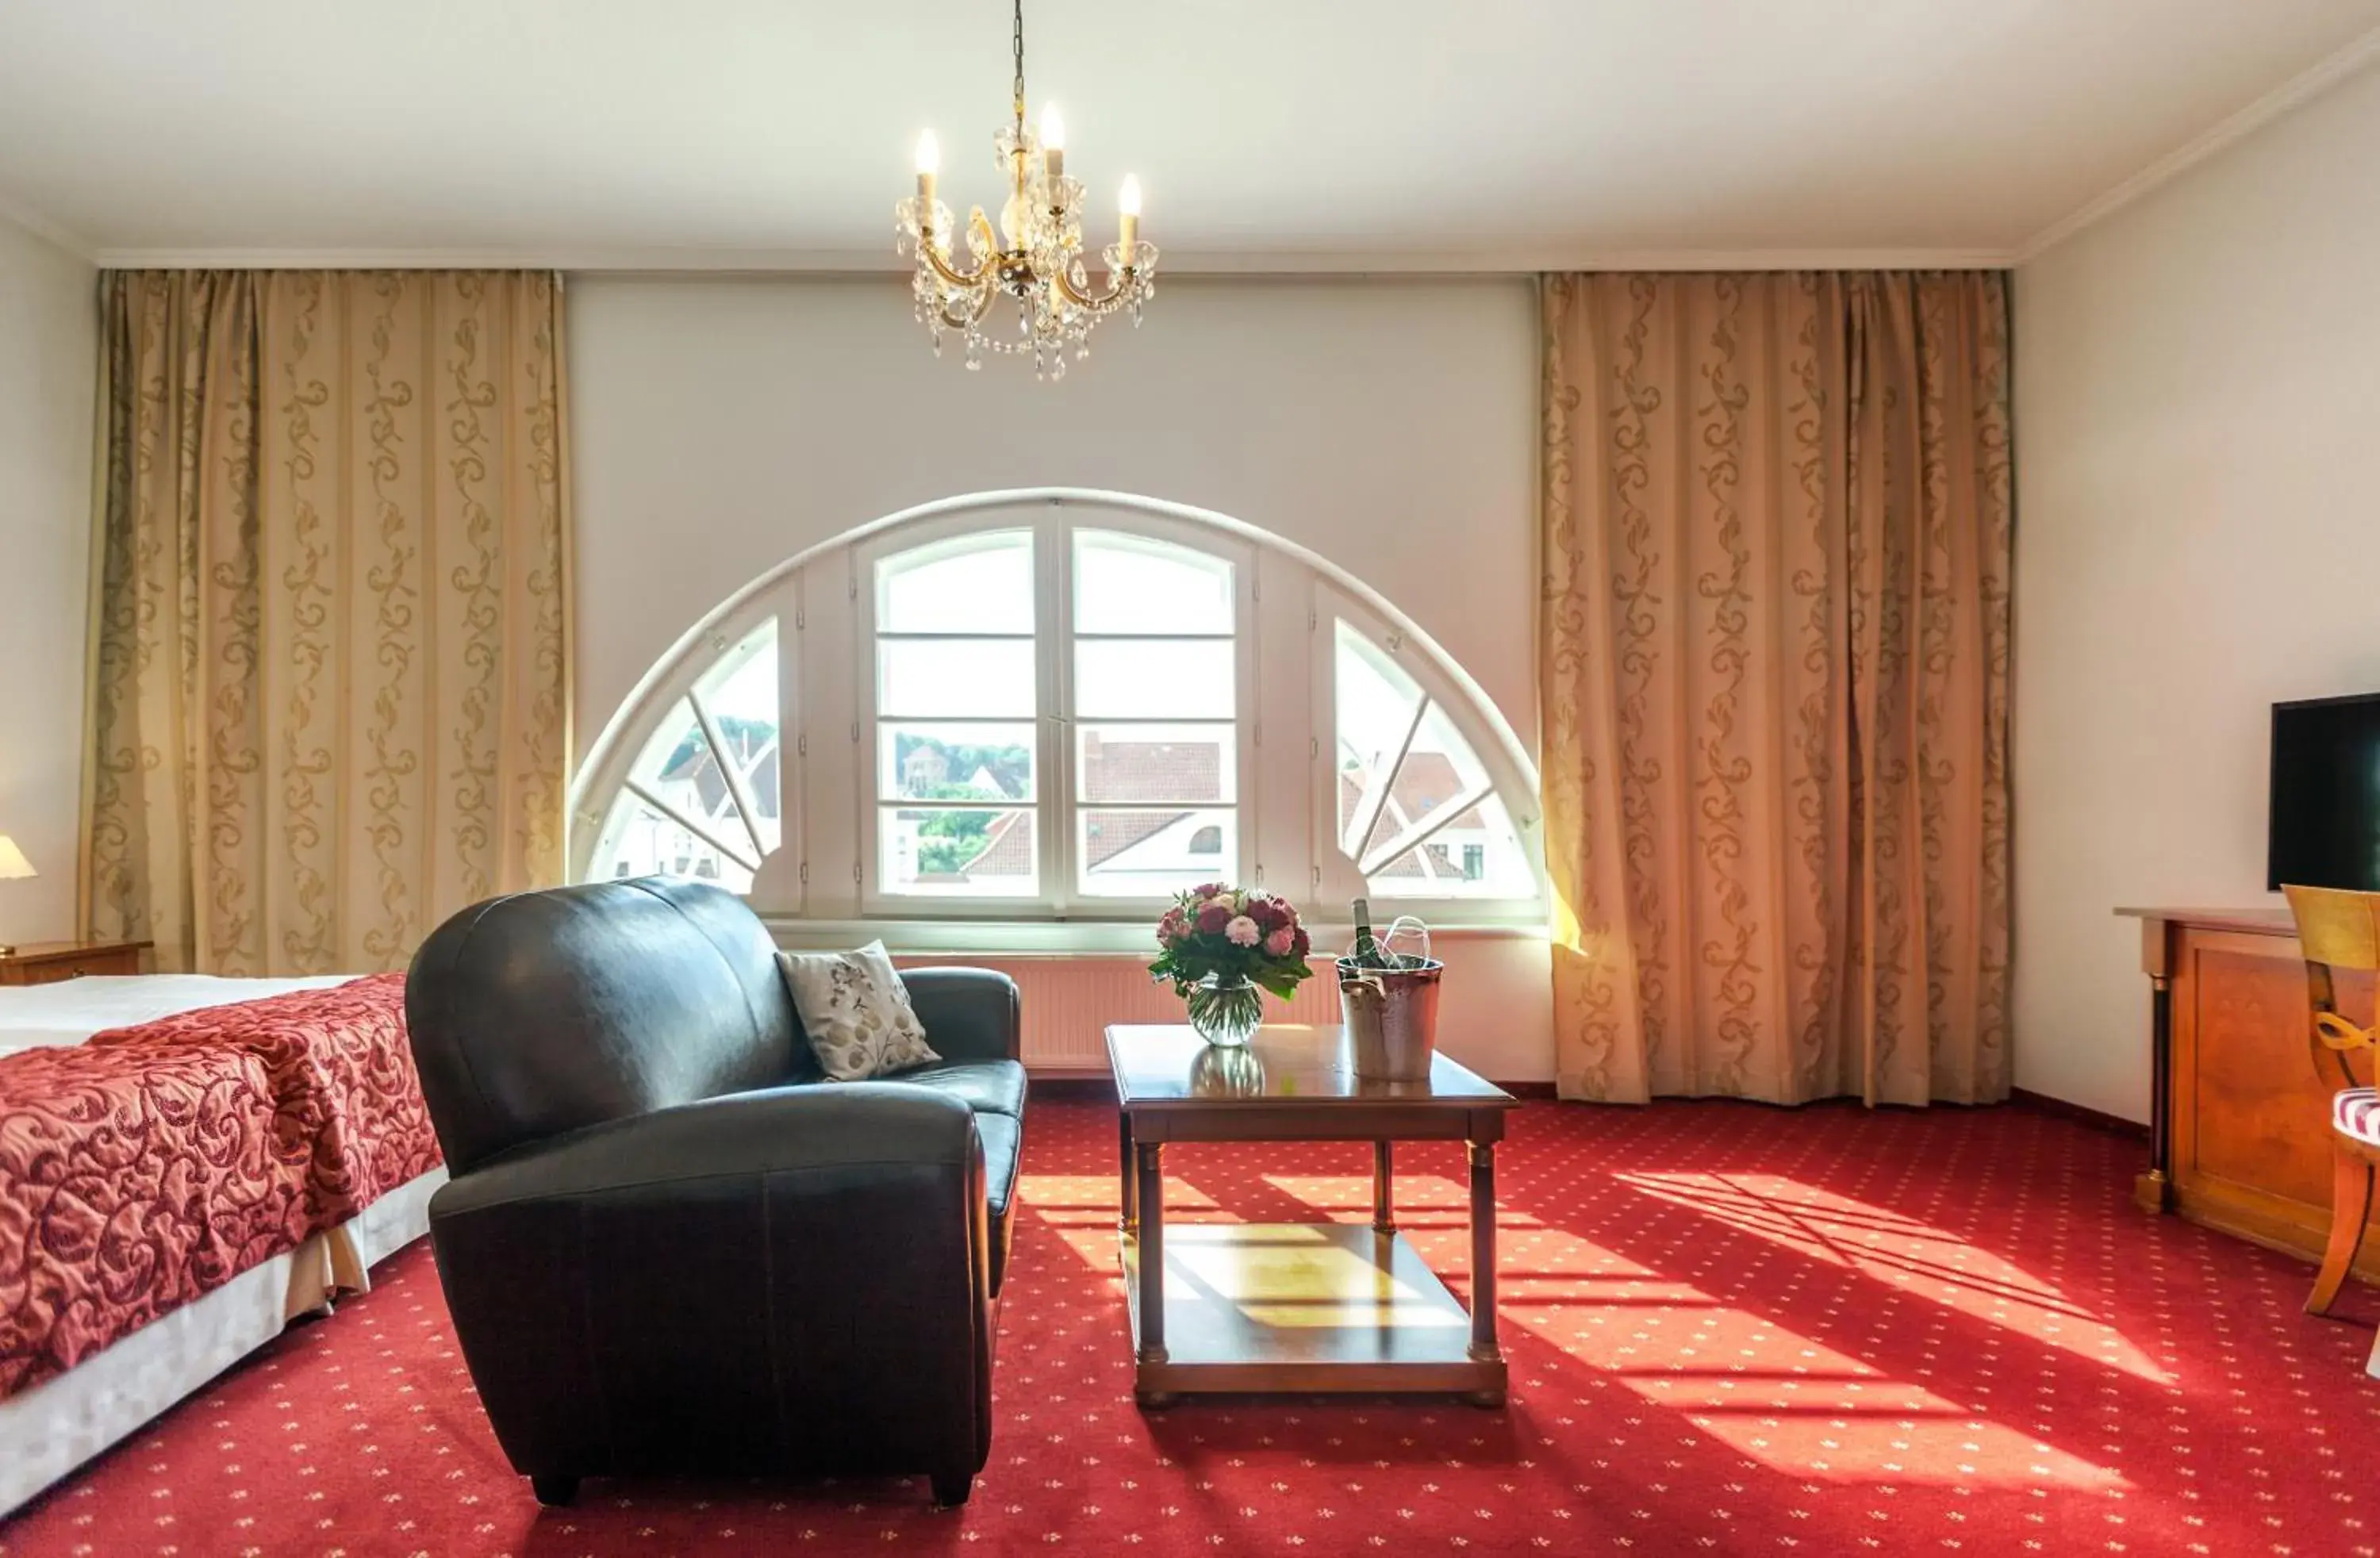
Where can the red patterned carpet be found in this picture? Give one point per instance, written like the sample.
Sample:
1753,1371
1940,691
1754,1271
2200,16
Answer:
1733,1330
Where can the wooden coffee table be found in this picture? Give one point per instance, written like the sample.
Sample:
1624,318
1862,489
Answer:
1304,1306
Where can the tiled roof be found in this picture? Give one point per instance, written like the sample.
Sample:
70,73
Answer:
701,770
1147,771
1425,781
1112,832
1007,853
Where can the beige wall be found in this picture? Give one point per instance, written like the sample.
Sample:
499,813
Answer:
2198,461
48,348
722,425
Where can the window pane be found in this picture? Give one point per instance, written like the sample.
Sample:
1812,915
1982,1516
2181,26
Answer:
967,678
1375,704
971,584
956,851
986,763
1155,678
678,765
1157,762
1440,768
1477,856
741,693
1148,853
637,841
1131,584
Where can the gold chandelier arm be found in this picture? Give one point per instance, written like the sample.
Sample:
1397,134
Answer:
952,276
1106,302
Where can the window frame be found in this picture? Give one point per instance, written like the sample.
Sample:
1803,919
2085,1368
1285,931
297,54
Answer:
1057,803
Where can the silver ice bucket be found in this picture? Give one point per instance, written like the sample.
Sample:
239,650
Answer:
1391,1017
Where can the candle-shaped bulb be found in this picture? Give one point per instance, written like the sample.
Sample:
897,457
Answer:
930,162
1128,223
1053,148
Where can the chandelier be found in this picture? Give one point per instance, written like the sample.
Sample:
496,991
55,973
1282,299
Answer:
1035,257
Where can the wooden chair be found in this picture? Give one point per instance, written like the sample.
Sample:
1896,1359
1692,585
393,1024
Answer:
2336,930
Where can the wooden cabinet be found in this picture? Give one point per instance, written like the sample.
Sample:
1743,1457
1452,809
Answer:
48,962
2241,1136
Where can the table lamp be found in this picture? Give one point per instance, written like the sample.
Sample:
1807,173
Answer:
12,867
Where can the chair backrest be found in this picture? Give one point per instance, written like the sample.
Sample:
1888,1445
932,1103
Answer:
2336,929
544,1012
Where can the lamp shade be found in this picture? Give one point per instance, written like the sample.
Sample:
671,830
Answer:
12,860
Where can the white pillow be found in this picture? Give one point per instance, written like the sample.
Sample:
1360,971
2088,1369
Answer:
857,1011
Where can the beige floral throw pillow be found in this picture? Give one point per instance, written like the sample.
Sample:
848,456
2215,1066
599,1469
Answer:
857,1014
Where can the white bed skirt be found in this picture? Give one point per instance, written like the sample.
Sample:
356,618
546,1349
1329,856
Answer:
51,1429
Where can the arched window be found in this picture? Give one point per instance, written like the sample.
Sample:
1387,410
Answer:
703,797
1061,707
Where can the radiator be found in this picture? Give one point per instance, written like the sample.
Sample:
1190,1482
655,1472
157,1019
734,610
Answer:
1069,1000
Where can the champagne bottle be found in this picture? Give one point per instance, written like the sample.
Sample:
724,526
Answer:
1367,951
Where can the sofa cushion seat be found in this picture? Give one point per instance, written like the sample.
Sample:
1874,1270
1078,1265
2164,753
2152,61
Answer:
988,1087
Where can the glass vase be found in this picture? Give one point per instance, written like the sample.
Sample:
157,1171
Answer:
1226,1010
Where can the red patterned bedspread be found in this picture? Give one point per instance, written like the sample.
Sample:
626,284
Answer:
152,1165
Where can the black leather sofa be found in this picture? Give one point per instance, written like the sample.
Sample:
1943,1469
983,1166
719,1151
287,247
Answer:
669,1245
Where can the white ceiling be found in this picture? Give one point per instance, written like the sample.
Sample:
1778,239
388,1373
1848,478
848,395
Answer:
1270,134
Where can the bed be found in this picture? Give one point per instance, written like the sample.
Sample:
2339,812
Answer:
186,1165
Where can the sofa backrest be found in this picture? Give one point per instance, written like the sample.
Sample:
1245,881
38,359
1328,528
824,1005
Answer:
544,1012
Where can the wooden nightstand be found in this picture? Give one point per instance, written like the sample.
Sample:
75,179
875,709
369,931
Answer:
48,962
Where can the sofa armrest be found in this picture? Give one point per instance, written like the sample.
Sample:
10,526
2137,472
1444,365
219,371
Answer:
969,1014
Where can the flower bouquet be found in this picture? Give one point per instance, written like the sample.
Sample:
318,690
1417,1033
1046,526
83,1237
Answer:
1223,948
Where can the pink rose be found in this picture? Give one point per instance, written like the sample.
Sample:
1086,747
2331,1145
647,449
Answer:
1280,941
1214,917
1242,931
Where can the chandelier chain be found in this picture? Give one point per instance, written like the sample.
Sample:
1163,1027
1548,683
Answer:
1018,43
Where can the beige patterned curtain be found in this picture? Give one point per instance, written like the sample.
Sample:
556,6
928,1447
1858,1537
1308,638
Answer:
1775,666
329,689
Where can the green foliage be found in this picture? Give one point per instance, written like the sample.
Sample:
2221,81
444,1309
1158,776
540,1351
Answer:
948,840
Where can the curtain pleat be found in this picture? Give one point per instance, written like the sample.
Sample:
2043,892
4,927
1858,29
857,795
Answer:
1774,663
330,699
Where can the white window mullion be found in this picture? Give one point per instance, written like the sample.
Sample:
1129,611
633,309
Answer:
1248,711
1054,621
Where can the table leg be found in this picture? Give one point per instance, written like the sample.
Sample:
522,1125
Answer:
1483,1252
2154,1190
1384,1213
1152,1251
1128,1197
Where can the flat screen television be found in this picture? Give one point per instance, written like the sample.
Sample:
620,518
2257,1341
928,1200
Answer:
2323,828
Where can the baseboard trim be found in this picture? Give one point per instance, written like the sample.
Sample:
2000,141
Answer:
2079,1114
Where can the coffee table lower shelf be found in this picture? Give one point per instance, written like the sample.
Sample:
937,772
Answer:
1303,1307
